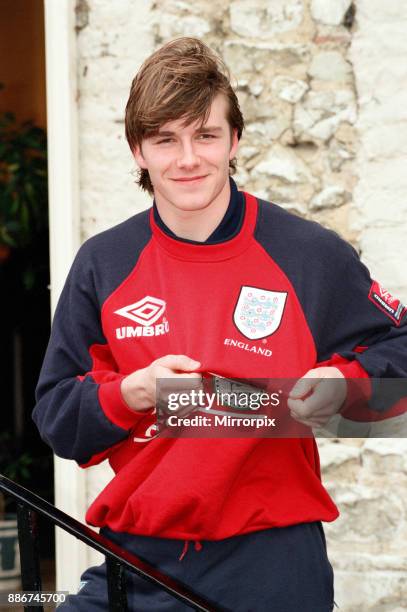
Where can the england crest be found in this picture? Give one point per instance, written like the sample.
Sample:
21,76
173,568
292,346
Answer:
258,312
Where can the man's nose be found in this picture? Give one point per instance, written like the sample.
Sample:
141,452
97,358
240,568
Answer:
188,157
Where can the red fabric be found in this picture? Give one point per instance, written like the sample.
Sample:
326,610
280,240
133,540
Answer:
244,484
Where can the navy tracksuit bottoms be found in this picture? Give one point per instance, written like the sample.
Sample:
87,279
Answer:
283,569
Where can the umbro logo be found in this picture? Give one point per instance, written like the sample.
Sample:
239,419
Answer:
146,312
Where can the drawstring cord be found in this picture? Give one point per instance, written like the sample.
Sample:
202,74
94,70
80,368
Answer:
184,550
198,547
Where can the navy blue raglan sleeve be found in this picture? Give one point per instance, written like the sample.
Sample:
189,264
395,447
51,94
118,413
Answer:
363,322
365,336
79,408
357,326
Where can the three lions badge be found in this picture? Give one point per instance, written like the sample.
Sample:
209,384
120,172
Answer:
258,312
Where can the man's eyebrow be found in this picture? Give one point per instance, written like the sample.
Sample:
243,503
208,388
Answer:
162,133
205,128
210,128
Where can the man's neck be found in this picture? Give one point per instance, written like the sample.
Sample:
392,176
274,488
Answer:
195,225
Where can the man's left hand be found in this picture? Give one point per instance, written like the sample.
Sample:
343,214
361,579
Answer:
317,396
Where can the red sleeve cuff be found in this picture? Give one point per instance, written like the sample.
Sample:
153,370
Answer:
351,369
115,408
359,390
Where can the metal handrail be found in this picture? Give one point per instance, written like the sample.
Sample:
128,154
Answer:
30,505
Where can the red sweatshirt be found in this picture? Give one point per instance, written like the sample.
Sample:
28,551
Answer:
135,293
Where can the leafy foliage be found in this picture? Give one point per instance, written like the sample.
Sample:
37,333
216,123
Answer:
23,182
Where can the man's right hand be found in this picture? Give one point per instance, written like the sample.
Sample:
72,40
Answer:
139,388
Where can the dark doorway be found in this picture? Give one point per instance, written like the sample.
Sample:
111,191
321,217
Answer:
24,254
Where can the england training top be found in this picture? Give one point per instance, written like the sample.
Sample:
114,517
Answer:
276,298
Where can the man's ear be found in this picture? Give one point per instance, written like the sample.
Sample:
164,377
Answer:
234,144
138,156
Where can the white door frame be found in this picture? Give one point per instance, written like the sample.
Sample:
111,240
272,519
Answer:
64,220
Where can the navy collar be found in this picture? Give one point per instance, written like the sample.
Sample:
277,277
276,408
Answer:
227,228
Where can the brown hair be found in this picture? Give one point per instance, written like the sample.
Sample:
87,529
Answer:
180,79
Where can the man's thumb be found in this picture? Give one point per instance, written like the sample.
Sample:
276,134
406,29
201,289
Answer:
180,362
189,364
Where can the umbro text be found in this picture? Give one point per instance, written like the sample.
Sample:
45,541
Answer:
150,330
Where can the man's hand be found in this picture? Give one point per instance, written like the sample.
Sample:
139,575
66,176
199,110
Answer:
316,397
139,388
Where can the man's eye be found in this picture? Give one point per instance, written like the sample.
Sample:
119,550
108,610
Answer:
207,136
164,140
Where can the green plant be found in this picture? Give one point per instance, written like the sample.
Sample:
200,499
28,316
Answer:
24,269
23,182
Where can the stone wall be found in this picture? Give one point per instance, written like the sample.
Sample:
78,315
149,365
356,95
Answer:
321,85
296,89
379,57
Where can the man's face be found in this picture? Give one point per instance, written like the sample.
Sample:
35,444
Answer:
189,165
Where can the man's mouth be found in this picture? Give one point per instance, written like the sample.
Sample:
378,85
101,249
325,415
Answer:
189,179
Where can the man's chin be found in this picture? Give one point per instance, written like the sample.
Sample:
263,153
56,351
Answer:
191,202
191,205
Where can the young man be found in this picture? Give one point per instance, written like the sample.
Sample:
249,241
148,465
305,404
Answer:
164,295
